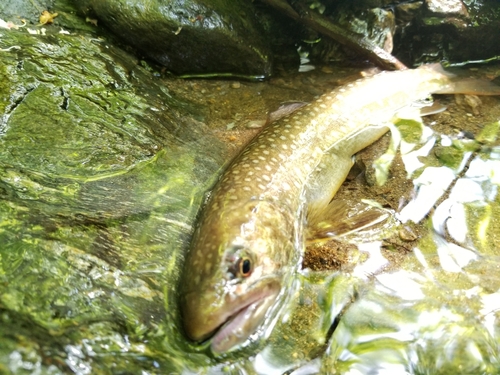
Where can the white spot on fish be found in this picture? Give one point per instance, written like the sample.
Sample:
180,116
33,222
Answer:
262,187
286,186
266,177
246,188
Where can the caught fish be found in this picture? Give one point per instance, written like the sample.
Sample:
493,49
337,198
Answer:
249,242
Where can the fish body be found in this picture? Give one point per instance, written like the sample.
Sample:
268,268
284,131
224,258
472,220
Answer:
249,241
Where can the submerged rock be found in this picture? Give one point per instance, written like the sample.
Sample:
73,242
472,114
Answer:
102,170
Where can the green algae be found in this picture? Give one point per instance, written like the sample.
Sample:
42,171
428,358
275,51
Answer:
102,171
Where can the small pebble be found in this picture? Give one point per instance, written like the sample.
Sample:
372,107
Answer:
406,234
235,85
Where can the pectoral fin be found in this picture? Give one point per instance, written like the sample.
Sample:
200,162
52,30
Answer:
365,221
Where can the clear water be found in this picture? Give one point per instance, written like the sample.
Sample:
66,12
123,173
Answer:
95,216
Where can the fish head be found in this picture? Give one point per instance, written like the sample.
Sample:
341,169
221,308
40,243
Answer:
234,272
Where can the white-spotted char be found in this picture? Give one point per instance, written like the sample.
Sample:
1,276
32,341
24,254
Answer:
249,241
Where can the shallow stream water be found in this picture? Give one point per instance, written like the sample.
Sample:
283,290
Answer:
424,300
95,218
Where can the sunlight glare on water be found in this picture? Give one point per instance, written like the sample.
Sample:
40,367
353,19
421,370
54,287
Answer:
439,313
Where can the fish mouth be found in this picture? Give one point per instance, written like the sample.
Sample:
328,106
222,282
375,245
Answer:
243,323
233,320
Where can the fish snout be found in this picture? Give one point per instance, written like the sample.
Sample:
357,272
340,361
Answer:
198,324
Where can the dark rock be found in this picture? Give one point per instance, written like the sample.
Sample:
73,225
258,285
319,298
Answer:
447,30
406,12
189,37
421,30
377,25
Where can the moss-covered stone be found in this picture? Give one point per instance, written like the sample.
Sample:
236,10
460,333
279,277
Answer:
102,171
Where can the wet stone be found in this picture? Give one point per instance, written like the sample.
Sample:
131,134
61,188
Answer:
189,37
447,7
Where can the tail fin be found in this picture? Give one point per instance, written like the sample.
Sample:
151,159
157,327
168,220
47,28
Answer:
460,85
470,86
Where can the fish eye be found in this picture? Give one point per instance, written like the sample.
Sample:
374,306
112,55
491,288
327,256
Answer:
245,266
239,262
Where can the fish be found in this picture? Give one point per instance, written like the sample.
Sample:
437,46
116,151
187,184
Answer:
249,241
